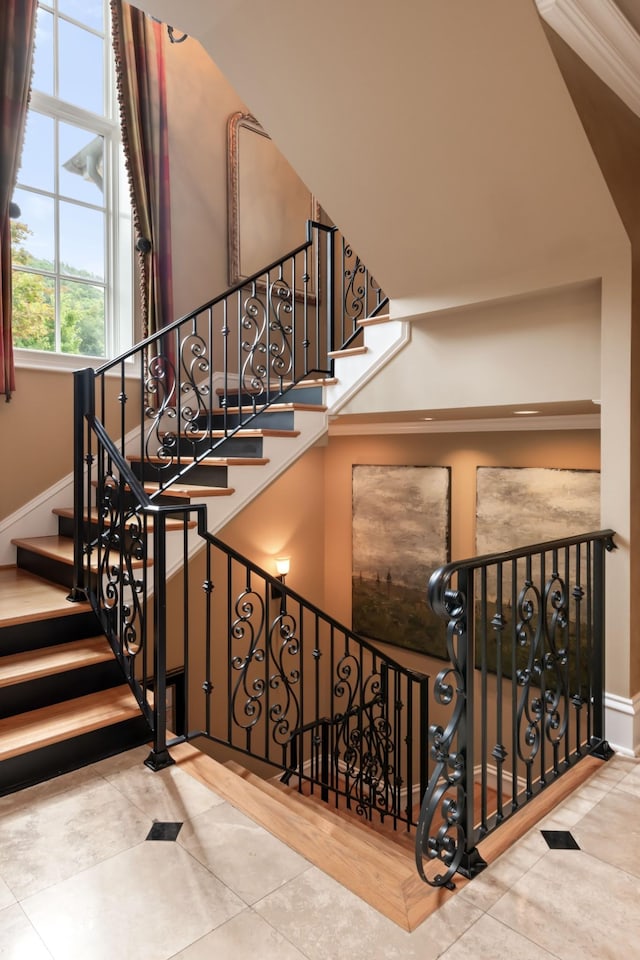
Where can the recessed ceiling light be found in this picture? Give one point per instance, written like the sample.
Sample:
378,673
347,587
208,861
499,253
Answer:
524,413
427,418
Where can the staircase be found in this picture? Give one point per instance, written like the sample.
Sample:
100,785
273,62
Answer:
63,698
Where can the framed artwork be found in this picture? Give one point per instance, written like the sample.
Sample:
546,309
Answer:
401,523
520,506
516,506
268,204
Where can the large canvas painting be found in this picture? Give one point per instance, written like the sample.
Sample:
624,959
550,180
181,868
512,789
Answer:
517,506
400,536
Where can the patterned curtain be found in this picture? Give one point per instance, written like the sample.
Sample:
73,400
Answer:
17,34
142,94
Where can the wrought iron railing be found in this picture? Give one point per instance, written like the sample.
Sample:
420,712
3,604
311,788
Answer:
266,673
521,699
362,296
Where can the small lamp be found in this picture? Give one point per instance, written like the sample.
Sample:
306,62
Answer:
282,567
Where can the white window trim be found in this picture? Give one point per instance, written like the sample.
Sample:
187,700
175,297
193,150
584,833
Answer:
119,253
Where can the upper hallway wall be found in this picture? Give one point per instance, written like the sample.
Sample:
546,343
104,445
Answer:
544,348
439,136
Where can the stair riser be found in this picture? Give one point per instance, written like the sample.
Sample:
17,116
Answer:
46,567
57,758
34,634
205,476
310,394
44,691
231,447
270,420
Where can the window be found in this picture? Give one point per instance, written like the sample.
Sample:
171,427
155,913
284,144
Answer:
71,242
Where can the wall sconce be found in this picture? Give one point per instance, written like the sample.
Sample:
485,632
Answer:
282,569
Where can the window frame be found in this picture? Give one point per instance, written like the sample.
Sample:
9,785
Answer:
118,219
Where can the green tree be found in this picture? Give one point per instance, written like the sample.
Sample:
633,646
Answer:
33,298
81,304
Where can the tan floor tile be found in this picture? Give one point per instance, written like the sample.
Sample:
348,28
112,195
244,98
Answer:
498,877
611,832
52,839
327,922
149,902
242,854
575,907
488,939
6,897
18,939
169,794
245,936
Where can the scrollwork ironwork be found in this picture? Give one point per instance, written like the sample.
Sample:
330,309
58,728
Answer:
284,644
441,834
543,704
248,628
121,551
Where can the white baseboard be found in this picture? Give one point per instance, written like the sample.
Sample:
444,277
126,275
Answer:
622,723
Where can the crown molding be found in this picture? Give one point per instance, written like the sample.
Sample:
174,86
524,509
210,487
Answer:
584,421
601,35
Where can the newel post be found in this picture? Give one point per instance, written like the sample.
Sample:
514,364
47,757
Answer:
159,756
83,412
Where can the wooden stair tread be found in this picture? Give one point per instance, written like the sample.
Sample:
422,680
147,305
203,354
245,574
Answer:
68,513
372,321
190,492
209,461
25,597
348,352
30,731
57,548
21,667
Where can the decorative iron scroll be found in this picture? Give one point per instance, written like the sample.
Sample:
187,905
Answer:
364,740
284,710
120,550
247,629
359,287
267,334
441,833
543,703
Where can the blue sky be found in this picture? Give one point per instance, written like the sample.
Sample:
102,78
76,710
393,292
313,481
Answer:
81,83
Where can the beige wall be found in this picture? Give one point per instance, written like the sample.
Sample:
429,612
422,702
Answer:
199,102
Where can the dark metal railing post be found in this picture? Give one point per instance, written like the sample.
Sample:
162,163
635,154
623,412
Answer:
471,863
600,747
160,756
83,408
331,293
423,736
324,762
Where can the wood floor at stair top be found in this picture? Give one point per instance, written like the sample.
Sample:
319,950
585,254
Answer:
30,665
374,869
39,728
25,597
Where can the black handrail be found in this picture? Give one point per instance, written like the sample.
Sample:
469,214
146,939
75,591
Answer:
525,639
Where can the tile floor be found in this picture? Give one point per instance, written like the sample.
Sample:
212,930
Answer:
79,879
